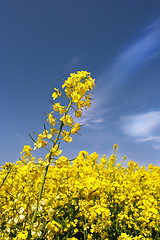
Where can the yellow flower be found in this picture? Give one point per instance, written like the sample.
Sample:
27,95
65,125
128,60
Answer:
57,107
56,93
66,136
21,235
75,128
56,151
46,135
124,236
78,113
40,142
27,150
76,97
72,238
62,161
115,147
53,131
51,119
67,120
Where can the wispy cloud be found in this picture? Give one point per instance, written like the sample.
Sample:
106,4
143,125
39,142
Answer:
151,138
156,147
93,117
143,127
99,120
146,47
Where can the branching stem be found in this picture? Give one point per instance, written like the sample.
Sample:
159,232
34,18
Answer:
45,175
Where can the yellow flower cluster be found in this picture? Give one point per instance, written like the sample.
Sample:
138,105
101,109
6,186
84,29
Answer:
76,88
85,199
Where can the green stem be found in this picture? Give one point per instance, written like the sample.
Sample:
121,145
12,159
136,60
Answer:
44,177
5,177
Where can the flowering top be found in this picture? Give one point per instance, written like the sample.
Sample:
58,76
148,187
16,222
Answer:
77,85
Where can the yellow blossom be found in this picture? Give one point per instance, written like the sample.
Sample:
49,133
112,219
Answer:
75,128
56,151
66,136
51,119
57,107
67,120
56,93
78,113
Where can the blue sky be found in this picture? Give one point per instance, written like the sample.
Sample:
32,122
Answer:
117,41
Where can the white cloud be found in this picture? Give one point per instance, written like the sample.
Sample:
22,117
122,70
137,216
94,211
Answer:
99,120
146,48
143,127
93,117
157,147
151,138
142,124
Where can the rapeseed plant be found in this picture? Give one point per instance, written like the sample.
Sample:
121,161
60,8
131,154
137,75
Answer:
56,198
